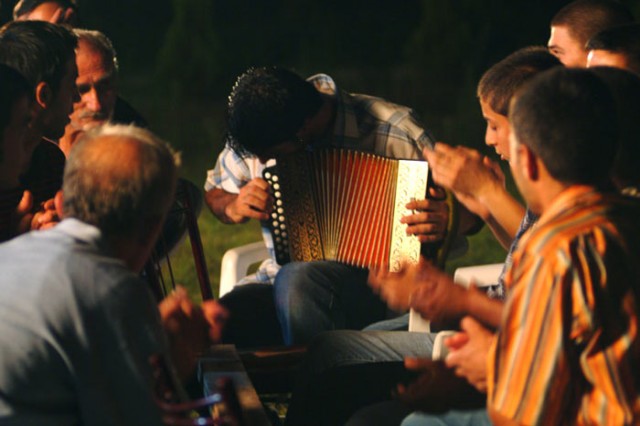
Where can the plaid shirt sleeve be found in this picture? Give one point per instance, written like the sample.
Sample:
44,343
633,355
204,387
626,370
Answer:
230,173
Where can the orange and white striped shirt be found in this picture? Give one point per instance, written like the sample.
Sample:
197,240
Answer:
568,350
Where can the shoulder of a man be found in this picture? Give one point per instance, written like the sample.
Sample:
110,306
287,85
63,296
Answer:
232,171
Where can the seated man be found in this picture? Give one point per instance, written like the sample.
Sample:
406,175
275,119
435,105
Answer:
580,20
346,363
274,111
616,47
572,312
77,325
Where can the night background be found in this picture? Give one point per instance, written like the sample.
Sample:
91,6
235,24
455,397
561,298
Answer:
179,58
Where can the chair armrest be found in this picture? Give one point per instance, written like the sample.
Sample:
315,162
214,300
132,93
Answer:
236,262
481,275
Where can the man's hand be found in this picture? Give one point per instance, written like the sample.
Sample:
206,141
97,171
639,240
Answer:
465,172
190,328
438,298
468,352
395,288
429,222
253,202
437,389
47,216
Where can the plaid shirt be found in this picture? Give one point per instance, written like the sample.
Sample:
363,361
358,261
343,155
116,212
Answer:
362,122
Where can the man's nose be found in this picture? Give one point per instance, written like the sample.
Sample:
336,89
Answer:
92,100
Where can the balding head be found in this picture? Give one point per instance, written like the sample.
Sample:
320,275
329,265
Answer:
119,179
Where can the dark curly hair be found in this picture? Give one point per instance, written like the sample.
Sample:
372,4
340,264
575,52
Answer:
267,106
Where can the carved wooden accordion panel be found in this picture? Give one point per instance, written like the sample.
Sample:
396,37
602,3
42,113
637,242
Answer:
345,206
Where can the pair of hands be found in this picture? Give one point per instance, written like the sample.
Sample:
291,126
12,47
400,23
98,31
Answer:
190,328
442,386
465,172
47,216
428,222
436,297
423,287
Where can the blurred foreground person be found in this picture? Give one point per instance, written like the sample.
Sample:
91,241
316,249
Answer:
77,324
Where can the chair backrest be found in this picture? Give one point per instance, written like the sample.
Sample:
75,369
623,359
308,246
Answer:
181,220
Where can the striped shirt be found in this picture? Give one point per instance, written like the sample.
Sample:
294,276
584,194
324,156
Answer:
362,122
568,349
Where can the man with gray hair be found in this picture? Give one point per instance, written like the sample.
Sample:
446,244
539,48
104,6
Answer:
97,85
77,324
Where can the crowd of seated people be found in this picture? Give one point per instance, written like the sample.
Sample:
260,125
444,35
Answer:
86,191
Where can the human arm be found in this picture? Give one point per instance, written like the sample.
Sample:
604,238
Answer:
478,183
433,294
252,202
190,328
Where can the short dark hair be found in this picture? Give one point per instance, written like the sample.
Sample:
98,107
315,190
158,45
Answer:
13,86
119,200
26,6
624,39
625,88
39,50
267,106
567,117
500,82
586,18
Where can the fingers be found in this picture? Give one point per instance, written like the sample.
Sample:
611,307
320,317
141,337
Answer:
456,341
417,364
26,203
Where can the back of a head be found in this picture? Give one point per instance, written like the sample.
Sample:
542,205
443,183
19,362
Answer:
38,50
13,86
624,40
267,106
24,7
100,43
586,18
567,117
500,82
119,178
625,88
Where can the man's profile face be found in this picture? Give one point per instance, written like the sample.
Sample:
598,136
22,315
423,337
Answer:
605,58
566,48
97,88
497,133
61,106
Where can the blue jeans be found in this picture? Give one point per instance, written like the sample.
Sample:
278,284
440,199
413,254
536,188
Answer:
346,370
312,297
450,418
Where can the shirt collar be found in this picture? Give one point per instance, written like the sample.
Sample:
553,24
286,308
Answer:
80,231
345,123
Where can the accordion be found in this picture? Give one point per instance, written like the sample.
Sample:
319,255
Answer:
344,206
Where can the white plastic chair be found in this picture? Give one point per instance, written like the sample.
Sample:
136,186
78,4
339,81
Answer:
236,262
